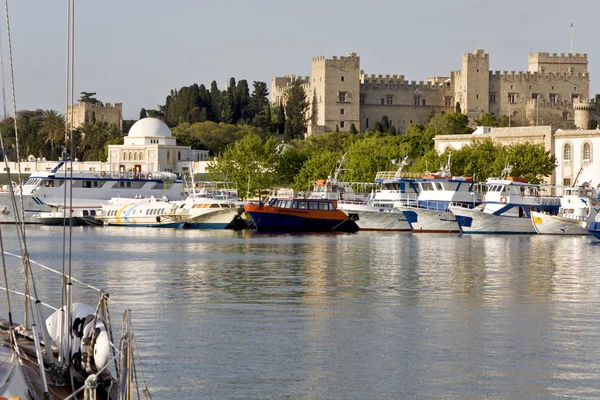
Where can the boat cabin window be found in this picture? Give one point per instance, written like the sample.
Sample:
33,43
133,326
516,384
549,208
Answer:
326,206
302,205
426,186
48,183
313,205
214,205
87,184
438,186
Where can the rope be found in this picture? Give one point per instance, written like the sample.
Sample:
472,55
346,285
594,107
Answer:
59,273
137,353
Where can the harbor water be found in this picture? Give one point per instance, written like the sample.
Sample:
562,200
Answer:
243,315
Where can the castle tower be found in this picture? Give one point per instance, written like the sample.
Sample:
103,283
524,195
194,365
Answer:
474,86
558,63
582,111
334,94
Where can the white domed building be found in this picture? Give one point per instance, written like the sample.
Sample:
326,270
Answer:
150,147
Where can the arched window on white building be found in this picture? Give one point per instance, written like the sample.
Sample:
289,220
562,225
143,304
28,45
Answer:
567,152
135,156
587,152
130,156
141,155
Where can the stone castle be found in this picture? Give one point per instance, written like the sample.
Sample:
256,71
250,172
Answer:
86,111
554,90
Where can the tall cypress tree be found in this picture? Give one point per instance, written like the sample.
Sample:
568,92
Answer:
296,108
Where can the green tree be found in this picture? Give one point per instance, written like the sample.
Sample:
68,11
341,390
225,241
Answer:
486,119
103,154
457,109
279,120
592,124
143,113
287,132
250,163
531,161
89,97
296,108
353,129
319,165
392,130
385,123
53,128
503,121
448,124
378,127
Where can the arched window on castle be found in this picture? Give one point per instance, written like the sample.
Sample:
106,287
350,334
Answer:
567,152
587,152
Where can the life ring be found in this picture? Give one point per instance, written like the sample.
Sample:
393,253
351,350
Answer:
149,175
103,174
503,199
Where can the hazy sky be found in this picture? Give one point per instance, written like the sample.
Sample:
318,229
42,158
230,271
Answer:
135,51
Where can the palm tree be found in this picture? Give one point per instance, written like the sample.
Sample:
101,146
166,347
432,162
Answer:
93,136
53,128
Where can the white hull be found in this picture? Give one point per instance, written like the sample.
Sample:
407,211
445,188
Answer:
480,222
376,219
430,221
555,225
40,199
211,217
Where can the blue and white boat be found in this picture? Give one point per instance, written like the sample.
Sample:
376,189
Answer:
44,191
507,208
437,192
378,212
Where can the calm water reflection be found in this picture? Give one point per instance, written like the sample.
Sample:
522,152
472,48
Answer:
227,315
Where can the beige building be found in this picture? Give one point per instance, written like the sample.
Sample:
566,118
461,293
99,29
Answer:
150,147
575,149
341,94
84,111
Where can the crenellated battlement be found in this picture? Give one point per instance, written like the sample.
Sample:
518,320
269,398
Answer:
477,54
528,75
351,57
378,82
556,57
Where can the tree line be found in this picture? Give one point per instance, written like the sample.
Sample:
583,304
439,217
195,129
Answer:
42,135
258,162
236,106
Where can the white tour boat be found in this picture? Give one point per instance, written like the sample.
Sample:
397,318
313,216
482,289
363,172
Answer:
437,192
378,212
151,212
578,208
506,208
46,189
209,209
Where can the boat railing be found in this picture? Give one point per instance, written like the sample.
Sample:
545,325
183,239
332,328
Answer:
381,175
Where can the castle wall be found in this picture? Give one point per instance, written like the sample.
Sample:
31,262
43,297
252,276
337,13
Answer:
110,113
558,63
401,116
472,84
514,93
335,93
541,96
